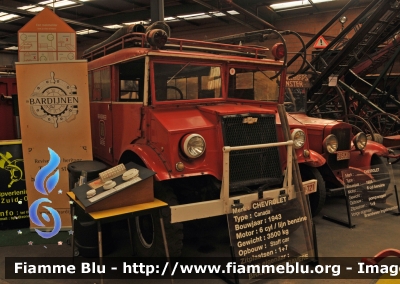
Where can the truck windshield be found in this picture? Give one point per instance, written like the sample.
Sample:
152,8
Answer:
295,99
296,93
186,81
253,84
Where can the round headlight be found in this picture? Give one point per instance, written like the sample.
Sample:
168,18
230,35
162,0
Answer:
360,141
299,138
193,145
330,143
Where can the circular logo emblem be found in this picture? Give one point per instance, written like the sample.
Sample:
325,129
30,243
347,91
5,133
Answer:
54,101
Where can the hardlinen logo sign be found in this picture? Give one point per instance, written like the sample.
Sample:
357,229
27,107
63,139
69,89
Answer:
54,101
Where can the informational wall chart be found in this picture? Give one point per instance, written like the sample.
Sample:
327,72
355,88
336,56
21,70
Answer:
46,38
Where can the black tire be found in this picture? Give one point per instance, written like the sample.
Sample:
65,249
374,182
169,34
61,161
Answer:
147,234
317,199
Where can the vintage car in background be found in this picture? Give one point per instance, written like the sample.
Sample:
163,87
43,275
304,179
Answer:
338,142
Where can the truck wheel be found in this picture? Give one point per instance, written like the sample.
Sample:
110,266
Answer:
147,234
317,199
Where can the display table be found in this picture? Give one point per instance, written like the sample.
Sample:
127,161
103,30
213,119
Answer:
116,214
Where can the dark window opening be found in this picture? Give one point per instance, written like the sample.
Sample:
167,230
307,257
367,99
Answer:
131,81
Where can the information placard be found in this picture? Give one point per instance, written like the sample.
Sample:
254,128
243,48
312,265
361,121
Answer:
269,232
369,192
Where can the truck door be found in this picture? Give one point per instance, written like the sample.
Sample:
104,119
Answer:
128,104
101,116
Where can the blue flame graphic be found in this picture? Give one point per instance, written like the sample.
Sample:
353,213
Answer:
33,209
46,171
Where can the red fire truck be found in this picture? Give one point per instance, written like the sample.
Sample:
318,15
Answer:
177,107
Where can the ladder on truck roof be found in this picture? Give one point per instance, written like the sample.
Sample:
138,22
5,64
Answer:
138,39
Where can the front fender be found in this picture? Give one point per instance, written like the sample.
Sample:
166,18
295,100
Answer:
360,160
315,160
150,158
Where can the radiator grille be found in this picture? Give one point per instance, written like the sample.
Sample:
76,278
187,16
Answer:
343,136
255,166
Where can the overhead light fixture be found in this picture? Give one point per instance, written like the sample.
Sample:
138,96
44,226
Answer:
195,16
51,4
113,26
26,7
137,23
57,4
4,17
170,19
217,14
61,4
36,9
31,8
296,4
233,12
86,32
11,48
191,15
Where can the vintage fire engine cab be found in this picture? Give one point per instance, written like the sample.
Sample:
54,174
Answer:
339,143
173,105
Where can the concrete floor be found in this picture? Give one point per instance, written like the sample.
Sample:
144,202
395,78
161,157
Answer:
369,237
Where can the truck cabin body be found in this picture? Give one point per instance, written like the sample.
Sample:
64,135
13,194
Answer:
333,139
173,109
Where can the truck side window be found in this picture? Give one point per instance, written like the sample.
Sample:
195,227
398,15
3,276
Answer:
101,89
129,90
131,81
